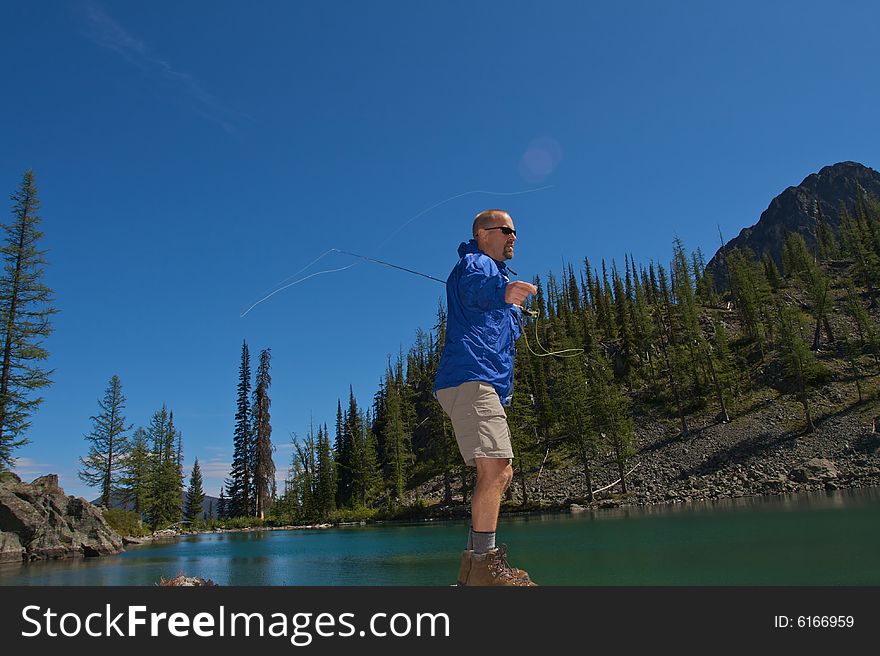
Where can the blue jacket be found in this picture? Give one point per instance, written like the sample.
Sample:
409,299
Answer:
481,328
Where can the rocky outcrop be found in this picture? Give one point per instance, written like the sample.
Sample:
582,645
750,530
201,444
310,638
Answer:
41,522
797,209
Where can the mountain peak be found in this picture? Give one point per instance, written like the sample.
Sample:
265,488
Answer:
795,210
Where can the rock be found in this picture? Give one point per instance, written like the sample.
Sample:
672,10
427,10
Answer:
815,470
49,524
575,508
186,581
775,483
11,550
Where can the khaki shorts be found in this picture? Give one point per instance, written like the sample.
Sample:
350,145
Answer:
478,419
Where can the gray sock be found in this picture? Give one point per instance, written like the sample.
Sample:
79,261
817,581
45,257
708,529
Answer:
484,541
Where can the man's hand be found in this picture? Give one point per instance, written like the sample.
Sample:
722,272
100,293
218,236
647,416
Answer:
518,291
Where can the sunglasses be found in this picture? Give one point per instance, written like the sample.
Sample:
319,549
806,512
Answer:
504,230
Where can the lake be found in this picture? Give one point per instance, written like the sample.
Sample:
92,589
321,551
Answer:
825,539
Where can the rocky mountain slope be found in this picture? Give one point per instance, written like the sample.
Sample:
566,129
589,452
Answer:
796,210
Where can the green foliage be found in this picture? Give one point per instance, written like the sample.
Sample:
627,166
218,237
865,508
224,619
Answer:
125,522
108,445
355,514
799,362
134,482
829,249
165,476
240,488
25,313
751,293
195,495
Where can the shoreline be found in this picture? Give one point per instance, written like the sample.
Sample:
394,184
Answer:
574,507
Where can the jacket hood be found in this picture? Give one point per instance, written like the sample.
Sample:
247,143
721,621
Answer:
468,247
471,248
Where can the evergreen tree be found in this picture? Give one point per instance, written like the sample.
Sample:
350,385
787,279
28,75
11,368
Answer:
827,242
325,497
264,467
397,450
366,475
643,330
108,445
722,368
856,240
771,272
165,490
304,477
810,277
687,316
869,335
799,362
523,422
137,469
343,459
604,311
223,504
669,345
610,413
704,284
25,311
751,293
240,499
623,313
578,421
195,495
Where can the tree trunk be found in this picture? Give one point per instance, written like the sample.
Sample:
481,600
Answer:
588,478
828,334
723,417
621,466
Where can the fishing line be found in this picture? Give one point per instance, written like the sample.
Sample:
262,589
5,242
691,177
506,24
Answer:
281,286
563,353
451,198
296,282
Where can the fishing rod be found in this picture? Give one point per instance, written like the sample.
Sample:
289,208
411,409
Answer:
564,353
388,264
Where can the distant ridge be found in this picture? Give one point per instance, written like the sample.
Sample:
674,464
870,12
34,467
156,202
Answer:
209,505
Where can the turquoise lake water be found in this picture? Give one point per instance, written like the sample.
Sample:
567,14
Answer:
819,539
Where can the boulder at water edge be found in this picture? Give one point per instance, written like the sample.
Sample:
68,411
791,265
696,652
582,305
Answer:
38,521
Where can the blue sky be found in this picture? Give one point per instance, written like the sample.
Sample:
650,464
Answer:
190,156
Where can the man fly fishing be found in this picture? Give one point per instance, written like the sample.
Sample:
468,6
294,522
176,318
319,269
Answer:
475,381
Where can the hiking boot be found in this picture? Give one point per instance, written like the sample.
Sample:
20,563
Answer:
518,573
465,566
491,568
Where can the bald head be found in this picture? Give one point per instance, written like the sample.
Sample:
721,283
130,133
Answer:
487,219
